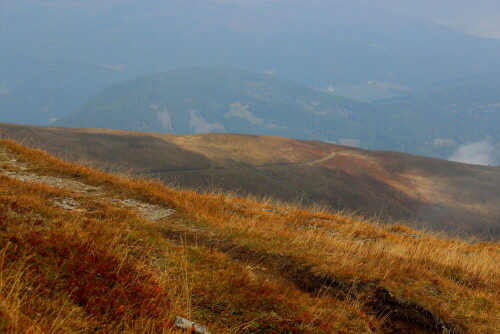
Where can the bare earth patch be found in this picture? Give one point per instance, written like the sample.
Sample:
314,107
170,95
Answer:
19,171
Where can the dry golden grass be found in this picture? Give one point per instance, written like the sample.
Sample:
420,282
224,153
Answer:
434,193
236,265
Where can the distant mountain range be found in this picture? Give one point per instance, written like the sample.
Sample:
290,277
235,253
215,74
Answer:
435,121
220,99
429,192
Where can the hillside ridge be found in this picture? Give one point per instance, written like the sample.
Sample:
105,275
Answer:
426,192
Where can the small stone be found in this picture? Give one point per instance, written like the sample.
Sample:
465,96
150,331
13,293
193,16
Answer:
67,204
273,210
148,211
186,324
131,202
412,235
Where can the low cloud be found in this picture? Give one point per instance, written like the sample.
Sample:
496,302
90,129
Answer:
4,90
438,142
163,117
477,153
270,71
114,67
201,125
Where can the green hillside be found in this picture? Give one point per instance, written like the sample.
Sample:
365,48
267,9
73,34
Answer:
198,100
218,99
225,100
462,111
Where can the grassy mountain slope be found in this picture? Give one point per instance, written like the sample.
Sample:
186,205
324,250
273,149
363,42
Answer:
440,194
83,250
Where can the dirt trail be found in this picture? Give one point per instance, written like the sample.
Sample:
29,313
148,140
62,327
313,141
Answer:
247,166
20,171
328,157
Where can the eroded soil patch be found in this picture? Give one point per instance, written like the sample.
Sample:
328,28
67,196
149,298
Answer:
20,171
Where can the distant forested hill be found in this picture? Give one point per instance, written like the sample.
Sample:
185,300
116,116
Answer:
435,121
220,99
461,111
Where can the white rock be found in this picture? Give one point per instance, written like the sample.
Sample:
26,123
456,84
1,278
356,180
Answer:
186,324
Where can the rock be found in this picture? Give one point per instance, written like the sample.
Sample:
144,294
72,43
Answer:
157,213
269,210
148,211
131,202
186,324
411,235
273,211
67,204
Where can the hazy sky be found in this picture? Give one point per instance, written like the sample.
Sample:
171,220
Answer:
477,17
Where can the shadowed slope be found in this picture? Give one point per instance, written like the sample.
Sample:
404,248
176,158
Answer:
440,194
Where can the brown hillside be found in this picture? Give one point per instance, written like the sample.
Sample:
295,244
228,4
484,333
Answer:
434,193
86,251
